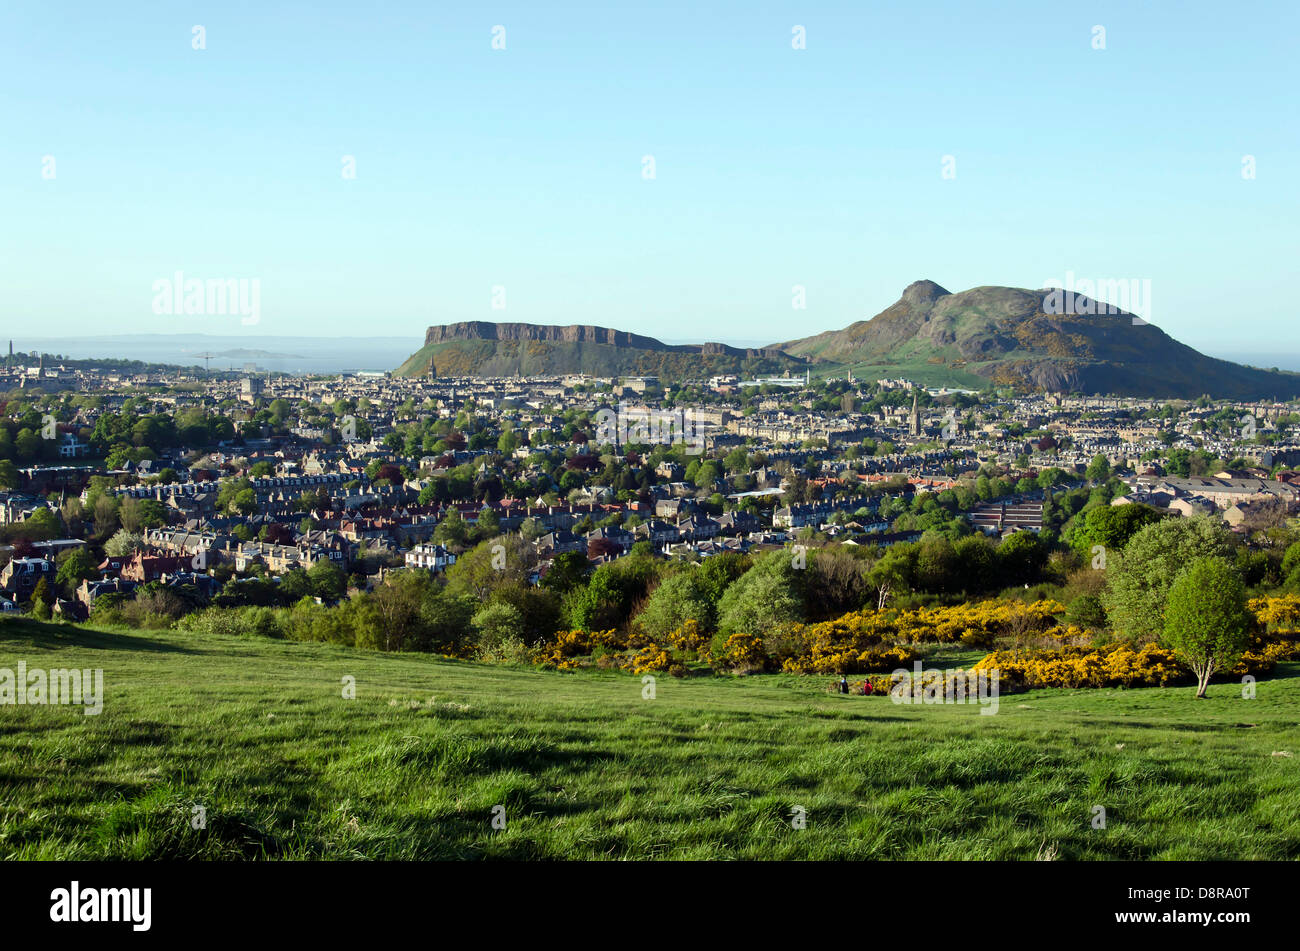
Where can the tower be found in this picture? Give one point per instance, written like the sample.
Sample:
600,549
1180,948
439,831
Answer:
916,416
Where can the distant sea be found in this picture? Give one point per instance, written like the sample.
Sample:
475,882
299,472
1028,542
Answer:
1265,361
281,354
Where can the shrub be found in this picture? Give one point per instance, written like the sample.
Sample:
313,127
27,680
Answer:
679,598
234,622
156,608
766,595
496,626
1116,665
743,653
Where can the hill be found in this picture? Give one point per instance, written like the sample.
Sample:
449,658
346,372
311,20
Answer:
1006,336
481,348
258,733
1001,336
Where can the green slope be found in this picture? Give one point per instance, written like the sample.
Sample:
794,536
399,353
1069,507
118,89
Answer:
258,733
1002,335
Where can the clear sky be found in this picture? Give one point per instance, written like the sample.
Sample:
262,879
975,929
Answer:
523,167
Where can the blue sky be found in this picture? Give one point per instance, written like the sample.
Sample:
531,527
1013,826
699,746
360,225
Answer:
522,167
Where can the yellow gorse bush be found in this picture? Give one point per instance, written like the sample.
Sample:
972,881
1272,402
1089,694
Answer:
1278,614
649,659
1044,653
1114,665
978,623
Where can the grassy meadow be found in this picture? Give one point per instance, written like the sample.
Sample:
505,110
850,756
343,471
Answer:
258,734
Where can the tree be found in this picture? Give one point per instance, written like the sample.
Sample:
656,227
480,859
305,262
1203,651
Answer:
227,491
244,502
1098,470
975,563
679,598
105,509
75,566
1110,526
895,571
28,445
490,565
123,544
836,581
294,586
607,599
1206,621
137,514
328,581
488,525
42,525
1050,477
531,529
1139,578
395,616
1291,567
717,573
452,530
567,572
1022,557
41,599
737,460
763,597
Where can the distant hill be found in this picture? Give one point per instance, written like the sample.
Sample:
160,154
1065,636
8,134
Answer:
1004,336
244,353
481,348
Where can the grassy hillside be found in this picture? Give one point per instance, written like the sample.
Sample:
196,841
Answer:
1002,335
258,733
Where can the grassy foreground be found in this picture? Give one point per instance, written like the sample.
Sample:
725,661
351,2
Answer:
259,734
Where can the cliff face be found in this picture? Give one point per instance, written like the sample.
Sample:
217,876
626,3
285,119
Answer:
578,333
573,333
483,348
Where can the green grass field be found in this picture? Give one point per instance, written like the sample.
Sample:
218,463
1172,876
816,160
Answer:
259,735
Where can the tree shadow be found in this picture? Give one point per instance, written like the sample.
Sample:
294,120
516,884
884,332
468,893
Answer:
46,635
